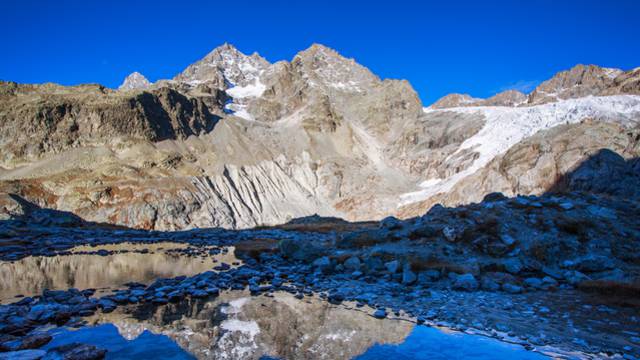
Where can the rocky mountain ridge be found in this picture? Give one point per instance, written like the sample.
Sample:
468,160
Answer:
234,141
577,82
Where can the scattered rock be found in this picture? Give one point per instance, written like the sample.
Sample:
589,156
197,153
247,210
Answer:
512,288
450,233
352,263
392,266
408,276
513,266
465,282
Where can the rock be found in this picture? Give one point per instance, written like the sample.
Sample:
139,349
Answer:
507,239
322,263
23,355
549,281
494,197
300,249
566,205
465,282
450,233
373,264
602,212
574,277
380,314
352,263
551,272
489,284
335,298
512,288
428,276
422,230
107,305
392,266
591,264
533,282
76,351
34,341
513,266
390,223
408,276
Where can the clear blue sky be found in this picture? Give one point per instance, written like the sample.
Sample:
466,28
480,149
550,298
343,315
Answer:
478,47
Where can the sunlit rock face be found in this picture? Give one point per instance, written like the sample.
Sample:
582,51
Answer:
238,326
85,269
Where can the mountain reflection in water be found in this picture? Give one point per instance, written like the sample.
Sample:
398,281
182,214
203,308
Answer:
236,325
124,263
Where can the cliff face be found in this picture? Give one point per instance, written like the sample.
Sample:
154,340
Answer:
40,119
234,141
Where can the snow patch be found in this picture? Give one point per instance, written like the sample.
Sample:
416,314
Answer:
249,328
252,90
235,306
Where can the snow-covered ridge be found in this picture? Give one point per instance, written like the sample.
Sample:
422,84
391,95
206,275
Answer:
506,126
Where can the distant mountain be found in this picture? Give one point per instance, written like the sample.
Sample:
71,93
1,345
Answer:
235,141
579,81
135,80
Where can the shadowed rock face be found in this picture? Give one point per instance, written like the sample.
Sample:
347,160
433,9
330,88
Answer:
237,325
234,141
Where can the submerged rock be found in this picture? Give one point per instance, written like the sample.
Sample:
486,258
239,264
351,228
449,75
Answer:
23,355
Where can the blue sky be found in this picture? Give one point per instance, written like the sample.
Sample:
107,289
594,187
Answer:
441,47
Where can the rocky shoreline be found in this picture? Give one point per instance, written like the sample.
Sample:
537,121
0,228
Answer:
555,273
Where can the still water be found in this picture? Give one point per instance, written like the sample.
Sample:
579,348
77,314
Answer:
239,326
83,269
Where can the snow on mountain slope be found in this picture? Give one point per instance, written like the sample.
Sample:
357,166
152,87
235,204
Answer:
506,126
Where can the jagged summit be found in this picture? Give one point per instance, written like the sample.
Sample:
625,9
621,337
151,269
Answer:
334,70
225,66
135,80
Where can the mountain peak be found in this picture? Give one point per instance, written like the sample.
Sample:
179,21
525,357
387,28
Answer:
454,100
224,65
135,80
225,48
320,51
334,70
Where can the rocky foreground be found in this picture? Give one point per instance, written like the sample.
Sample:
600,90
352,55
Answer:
559,271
